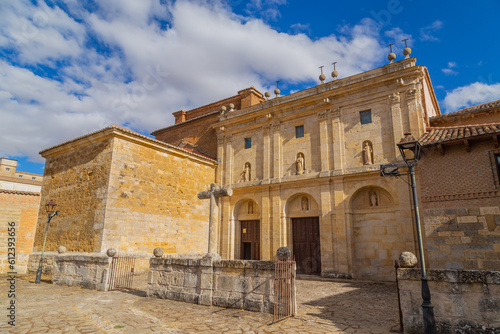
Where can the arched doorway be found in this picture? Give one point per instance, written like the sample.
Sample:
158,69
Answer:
377,236
303,213
248,231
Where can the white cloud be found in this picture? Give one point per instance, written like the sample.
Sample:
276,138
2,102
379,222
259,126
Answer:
466,96
206,53
449,71
427,33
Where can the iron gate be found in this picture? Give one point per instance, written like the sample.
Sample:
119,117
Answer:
121,273
284,289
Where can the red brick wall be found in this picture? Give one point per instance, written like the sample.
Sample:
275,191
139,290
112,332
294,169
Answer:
461,207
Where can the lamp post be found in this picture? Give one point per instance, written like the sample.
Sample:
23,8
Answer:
410,150
49,207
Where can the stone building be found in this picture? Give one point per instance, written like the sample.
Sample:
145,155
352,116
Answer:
304,170
460,179
19,202
118,189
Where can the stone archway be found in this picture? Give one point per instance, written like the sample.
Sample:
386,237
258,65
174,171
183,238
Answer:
302,213
376,234
247,232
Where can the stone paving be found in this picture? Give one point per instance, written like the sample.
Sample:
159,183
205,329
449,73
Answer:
324,306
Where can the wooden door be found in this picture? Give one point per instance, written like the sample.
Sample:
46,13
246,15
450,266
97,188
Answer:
306,246
250,240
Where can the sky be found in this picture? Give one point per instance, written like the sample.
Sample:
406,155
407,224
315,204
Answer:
71,67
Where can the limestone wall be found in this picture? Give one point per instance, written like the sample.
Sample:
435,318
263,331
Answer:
152,201
465,301
21,209
86,270
246,285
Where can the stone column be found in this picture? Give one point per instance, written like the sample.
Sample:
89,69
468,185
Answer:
265,222
267,154
219,176
415,110
326,233
229,161
342,248
276,127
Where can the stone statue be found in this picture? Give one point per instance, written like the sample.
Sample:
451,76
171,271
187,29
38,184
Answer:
250,207
305,203
246,172
373,199
368,154
300,164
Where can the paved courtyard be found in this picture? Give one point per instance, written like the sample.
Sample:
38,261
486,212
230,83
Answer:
324,306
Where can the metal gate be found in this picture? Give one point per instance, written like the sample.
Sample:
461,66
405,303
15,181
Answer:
121,273
284,289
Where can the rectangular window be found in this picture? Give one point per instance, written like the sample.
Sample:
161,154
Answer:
365,116
20,176
248,143
299,131
33,178
7,169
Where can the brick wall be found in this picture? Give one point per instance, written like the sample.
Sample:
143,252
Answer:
461,207
22,209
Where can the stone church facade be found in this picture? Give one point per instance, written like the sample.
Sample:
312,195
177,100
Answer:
304,170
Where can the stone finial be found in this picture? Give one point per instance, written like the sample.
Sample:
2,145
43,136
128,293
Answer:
111,252
407,260
231,106
61,249
267,95
392,55
407,50
158,252
335,73
283,254
223,109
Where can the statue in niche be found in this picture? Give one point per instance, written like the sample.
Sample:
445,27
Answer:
300,164
246,172
305,203
373,198
250,207
368,153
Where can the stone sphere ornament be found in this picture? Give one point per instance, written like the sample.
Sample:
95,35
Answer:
391,57
111,252
277,92
283,253
158,252
267,95
61,249
322,77
407,52
407,260
335,74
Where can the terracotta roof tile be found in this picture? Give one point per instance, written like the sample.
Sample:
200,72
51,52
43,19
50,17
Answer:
470,110
435,135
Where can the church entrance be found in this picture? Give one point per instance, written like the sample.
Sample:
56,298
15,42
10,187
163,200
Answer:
306,246
250,240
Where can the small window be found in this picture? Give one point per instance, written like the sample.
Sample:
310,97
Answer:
299,131
365,116
248,143
33,178
20,176
7,169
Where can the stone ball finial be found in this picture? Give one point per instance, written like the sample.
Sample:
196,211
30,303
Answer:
223,108
407,260
61,249
267,95
111,252
231,106
335,74
277,92
283,254
391,56
158,252
322,77
407,52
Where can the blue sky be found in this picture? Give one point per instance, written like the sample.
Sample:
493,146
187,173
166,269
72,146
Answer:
70,67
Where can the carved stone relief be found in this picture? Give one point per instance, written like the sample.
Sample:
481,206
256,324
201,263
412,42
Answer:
250,207
335,112
373,199
395,98
323,114
246,174
305,203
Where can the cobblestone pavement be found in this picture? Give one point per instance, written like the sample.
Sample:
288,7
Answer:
324,306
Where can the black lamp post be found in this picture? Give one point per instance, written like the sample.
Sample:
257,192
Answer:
49,207
410,150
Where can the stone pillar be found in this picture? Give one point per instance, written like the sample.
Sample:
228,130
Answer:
338,140
265,223
341,231
267,153
277,150
325,225
323,140
276,228
229,161
219,179
415,109
396,121
206,272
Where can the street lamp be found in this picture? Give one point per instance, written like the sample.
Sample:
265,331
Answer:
410,150
49,207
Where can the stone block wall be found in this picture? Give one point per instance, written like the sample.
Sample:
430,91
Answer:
239,284
465,301
20,208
